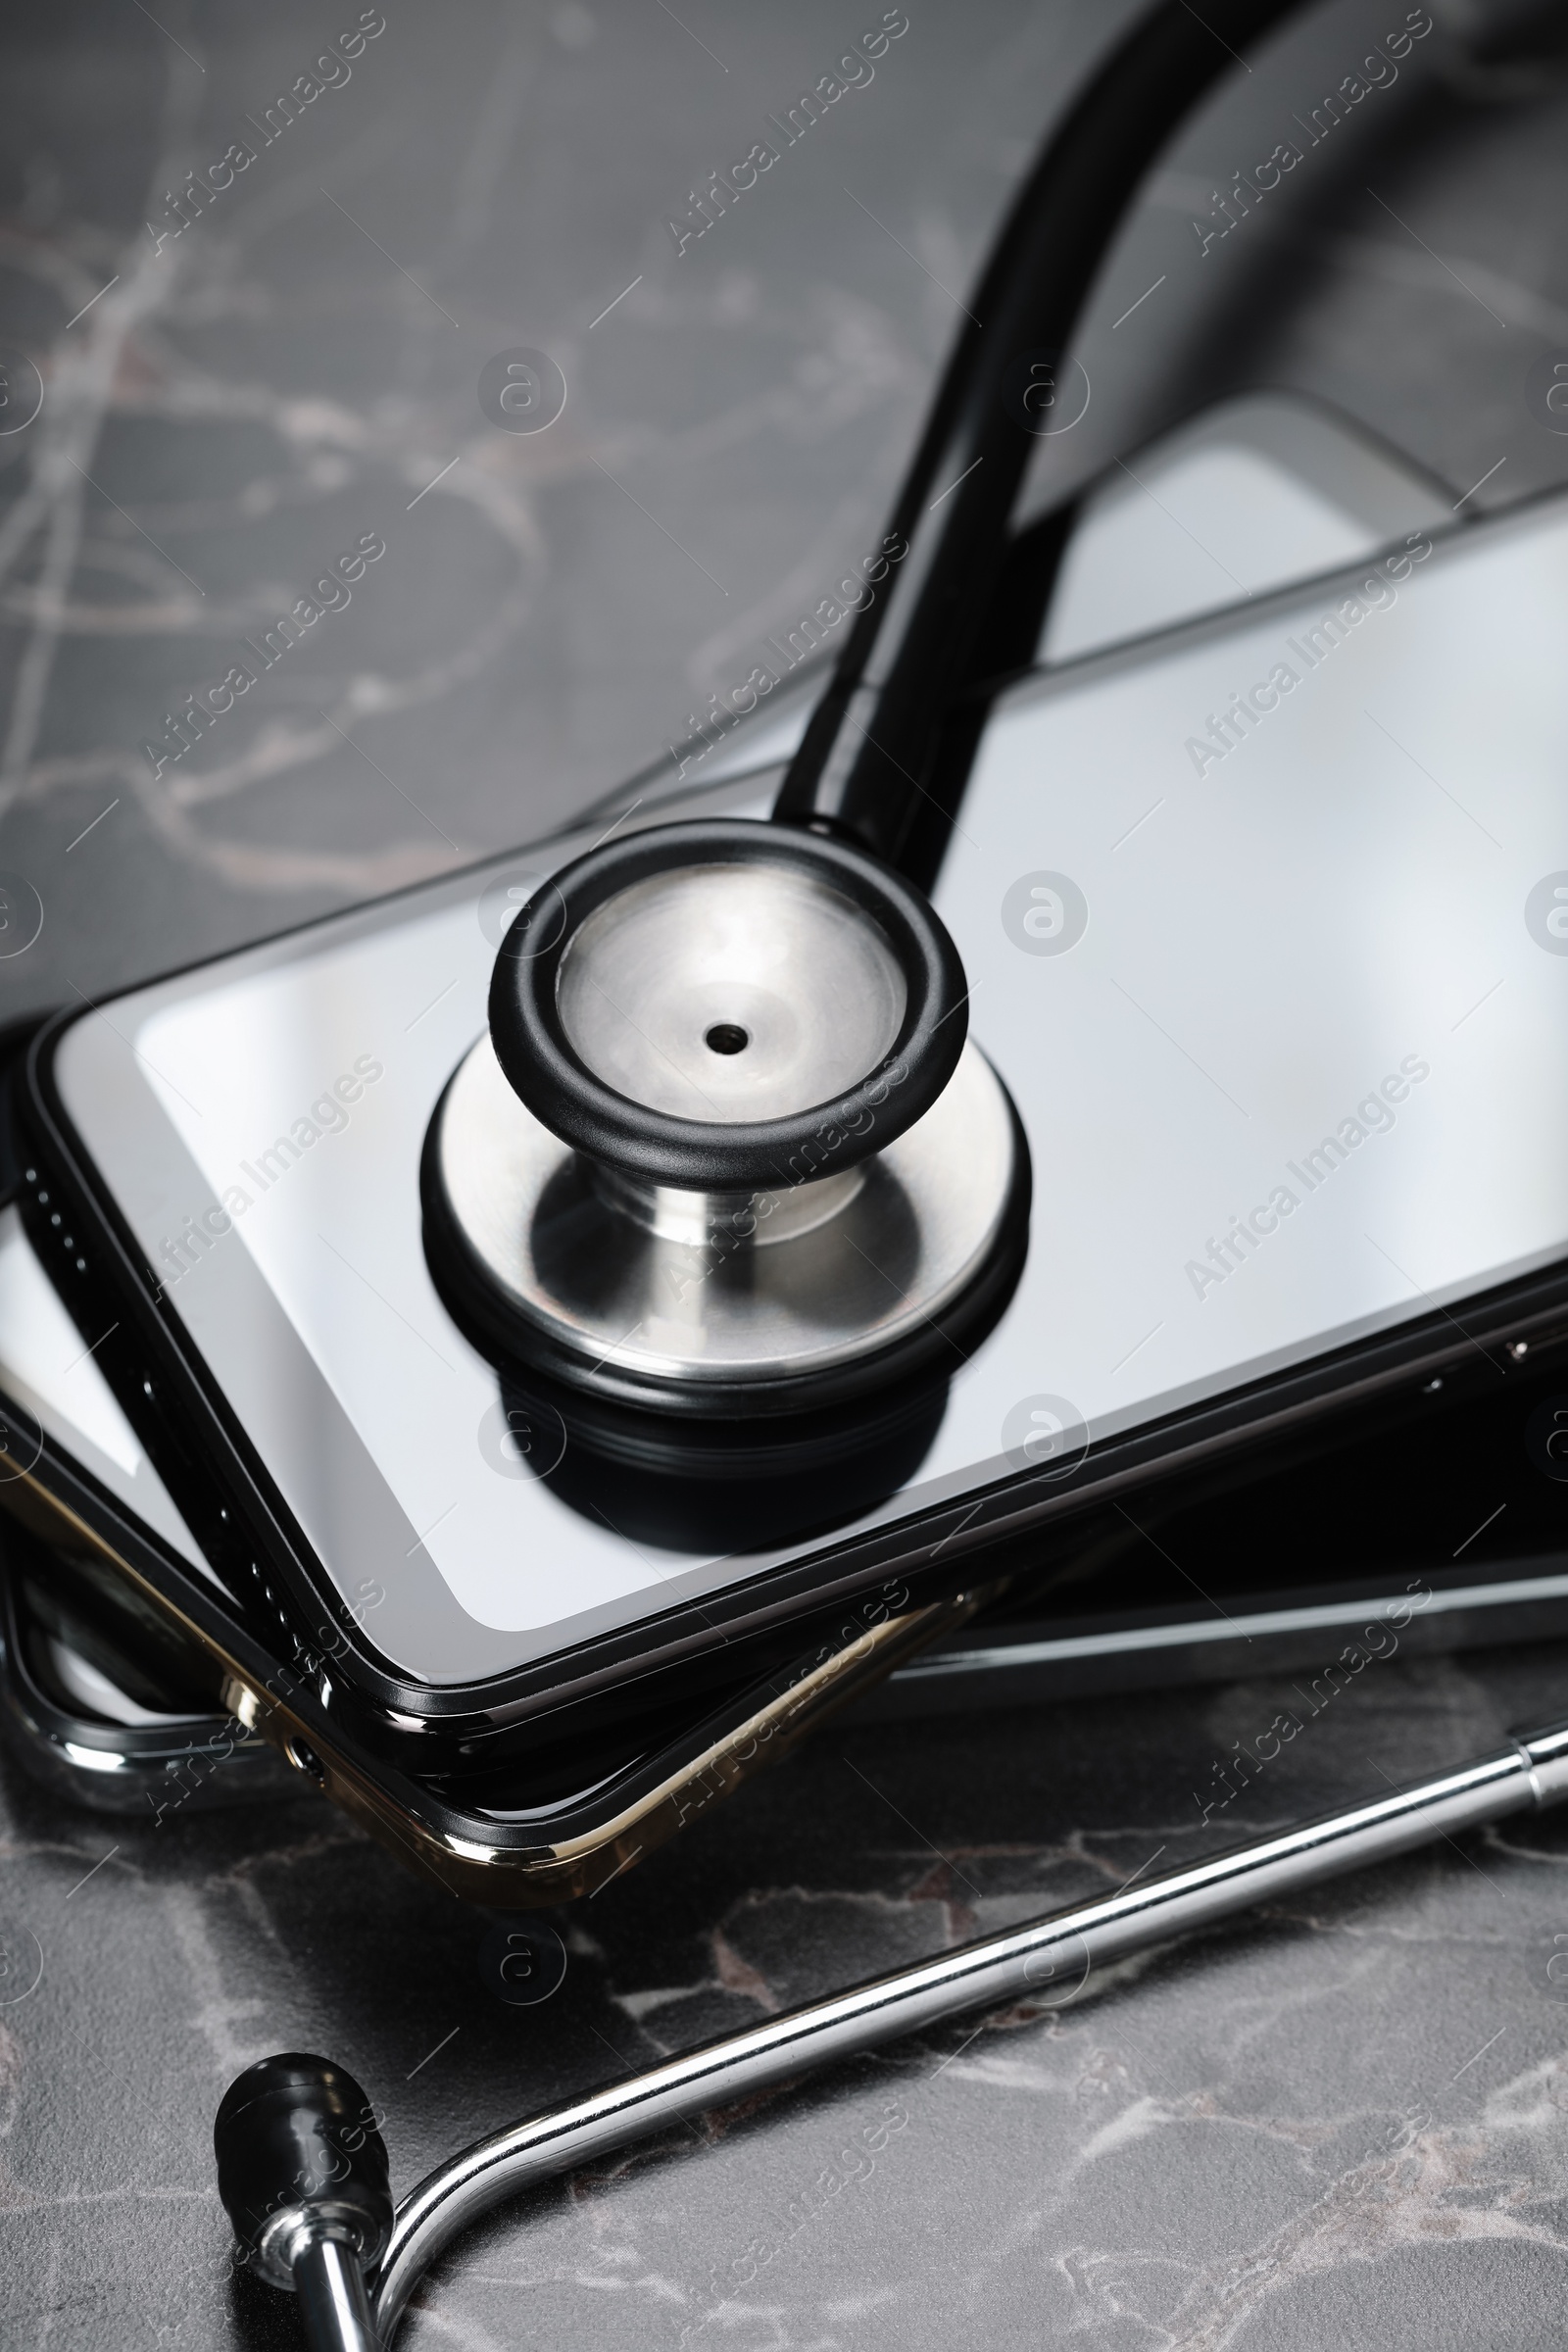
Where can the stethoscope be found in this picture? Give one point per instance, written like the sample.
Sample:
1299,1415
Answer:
726,1179
720,1054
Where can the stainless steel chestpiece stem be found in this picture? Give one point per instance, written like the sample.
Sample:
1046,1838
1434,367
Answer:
1051,1958
699,1218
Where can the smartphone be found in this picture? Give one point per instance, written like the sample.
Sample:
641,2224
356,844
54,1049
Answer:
1260,932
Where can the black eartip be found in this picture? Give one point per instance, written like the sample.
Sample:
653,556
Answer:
299,2154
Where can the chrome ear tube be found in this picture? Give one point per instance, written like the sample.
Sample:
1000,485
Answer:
1048,1960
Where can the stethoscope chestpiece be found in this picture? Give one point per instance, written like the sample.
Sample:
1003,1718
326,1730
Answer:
725,1148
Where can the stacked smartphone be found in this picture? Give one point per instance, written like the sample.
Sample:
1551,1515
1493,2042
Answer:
1263,928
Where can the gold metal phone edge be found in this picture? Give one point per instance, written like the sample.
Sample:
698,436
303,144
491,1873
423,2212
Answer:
493,1876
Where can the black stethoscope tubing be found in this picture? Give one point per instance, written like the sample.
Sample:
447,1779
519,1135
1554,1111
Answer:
911,654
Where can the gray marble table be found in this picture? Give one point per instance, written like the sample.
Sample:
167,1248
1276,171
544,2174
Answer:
1343,2119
